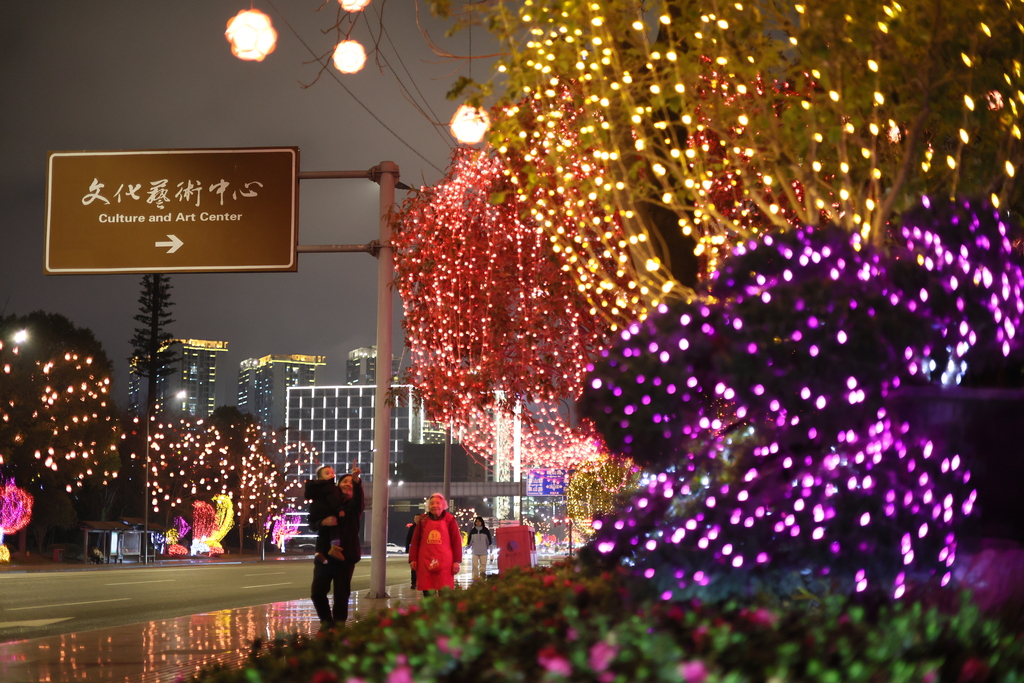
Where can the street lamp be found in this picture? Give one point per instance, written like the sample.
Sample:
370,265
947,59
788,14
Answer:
21,336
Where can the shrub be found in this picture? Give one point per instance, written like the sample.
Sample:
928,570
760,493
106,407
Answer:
561,624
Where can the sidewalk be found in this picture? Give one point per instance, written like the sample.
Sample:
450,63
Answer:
169,650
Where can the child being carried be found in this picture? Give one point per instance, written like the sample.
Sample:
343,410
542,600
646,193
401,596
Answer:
326,501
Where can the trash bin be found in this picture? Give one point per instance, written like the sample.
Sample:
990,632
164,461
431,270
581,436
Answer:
58,554
516,547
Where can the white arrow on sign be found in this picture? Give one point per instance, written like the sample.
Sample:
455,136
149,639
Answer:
173,245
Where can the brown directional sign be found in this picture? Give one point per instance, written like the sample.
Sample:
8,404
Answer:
177,210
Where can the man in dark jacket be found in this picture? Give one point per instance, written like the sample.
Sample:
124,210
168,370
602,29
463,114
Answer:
408,542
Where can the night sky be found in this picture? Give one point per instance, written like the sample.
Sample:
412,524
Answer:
113,75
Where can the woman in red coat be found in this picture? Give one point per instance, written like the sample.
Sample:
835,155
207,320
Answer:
436,550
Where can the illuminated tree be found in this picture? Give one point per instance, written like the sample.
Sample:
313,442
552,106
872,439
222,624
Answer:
58,426
786,373
188,462
732,117
255,477
596,487
499,333
489,315
15,513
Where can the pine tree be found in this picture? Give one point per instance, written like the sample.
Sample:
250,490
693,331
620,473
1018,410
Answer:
152,358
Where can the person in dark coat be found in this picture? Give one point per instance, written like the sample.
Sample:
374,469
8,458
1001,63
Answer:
408,543
333,570
325,501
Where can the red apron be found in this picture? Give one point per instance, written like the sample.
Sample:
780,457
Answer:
434,564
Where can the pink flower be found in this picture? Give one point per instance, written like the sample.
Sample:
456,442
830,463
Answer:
693,672
444,645
763,617
549,658
571,634
400,674
601,655
973,670
930,676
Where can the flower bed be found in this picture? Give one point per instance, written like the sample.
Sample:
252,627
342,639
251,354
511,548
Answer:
561,624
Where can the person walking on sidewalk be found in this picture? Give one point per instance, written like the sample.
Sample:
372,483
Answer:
480,543
435,553
331,569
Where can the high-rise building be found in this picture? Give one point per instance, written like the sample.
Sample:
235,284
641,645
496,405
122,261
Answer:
263,385
361,367
338,422
192,388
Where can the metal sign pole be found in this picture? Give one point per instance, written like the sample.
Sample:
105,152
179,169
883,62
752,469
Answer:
388,177
386,174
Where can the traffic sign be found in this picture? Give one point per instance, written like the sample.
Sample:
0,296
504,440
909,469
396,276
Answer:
166,211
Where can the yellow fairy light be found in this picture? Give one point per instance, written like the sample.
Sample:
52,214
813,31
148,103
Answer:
1010,170
969,102
873,65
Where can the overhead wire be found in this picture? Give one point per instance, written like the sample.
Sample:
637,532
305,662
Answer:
320,60
433,118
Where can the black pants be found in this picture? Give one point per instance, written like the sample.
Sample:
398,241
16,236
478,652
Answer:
340,573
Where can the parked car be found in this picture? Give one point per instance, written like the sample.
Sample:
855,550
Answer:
394,548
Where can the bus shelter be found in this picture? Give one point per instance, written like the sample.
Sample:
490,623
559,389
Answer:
117,540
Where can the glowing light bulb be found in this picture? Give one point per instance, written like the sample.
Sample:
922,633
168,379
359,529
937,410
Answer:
251,34
469,124
349,56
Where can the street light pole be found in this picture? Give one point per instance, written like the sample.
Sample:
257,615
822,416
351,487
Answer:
386,174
